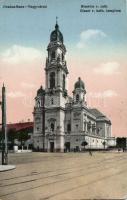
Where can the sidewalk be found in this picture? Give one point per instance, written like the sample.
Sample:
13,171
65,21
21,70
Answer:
6,167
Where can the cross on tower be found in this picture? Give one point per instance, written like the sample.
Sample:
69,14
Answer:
56,19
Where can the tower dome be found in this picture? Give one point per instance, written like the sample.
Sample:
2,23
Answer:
79,84
56,35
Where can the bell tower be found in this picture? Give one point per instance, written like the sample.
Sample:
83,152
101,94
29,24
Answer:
55,91
79,92
56,68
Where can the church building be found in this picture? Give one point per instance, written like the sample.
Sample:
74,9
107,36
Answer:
64,123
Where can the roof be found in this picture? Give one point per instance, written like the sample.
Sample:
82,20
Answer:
96,112
20,126
56,35
100,116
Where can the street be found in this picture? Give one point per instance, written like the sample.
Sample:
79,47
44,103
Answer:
65,176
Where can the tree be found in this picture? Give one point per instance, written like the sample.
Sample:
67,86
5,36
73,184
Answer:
104,144
22,135
11,134
84,144
121,142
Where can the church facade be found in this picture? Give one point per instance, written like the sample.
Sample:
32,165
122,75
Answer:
64,123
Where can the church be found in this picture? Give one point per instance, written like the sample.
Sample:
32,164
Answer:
63,123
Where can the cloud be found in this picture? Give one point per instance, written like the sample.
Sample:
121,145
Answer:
105,94
28,85
90,35
109,93
108,68
19,54
16,94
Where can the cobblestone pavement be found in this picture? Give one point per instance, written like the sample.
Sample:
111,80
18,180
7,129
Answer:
65,176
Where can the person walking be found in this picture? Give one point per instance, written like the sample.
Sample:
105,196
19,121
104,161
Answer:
90,153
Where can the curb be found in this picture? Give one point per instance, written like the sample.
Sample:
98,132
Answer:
6,167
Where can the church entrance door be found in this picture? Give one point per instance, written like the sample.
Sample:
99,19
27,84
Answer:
51,146
67,146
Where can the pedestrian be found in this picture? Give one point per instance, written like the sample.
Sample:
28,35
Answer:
90,153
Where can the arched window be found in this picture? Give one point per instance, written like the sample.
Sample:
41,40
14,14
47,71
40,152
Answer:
52,80
85,126
89,125
52,102
53,55
77,97
76,126
68,127
52,127
38,128
63,82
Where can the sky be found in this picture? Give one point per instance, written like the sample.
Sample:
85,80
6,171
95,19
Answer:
96,44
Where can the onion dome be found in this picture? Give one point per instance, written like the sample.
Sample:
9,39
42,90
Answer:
40,91
79,84
56,35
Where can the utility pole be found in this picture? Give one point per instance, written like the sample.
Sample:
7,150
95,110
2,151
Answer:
43,119
4,129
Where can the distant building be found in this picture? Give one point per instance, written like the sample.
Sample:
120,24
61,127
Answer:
21,125
64,123
14,129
